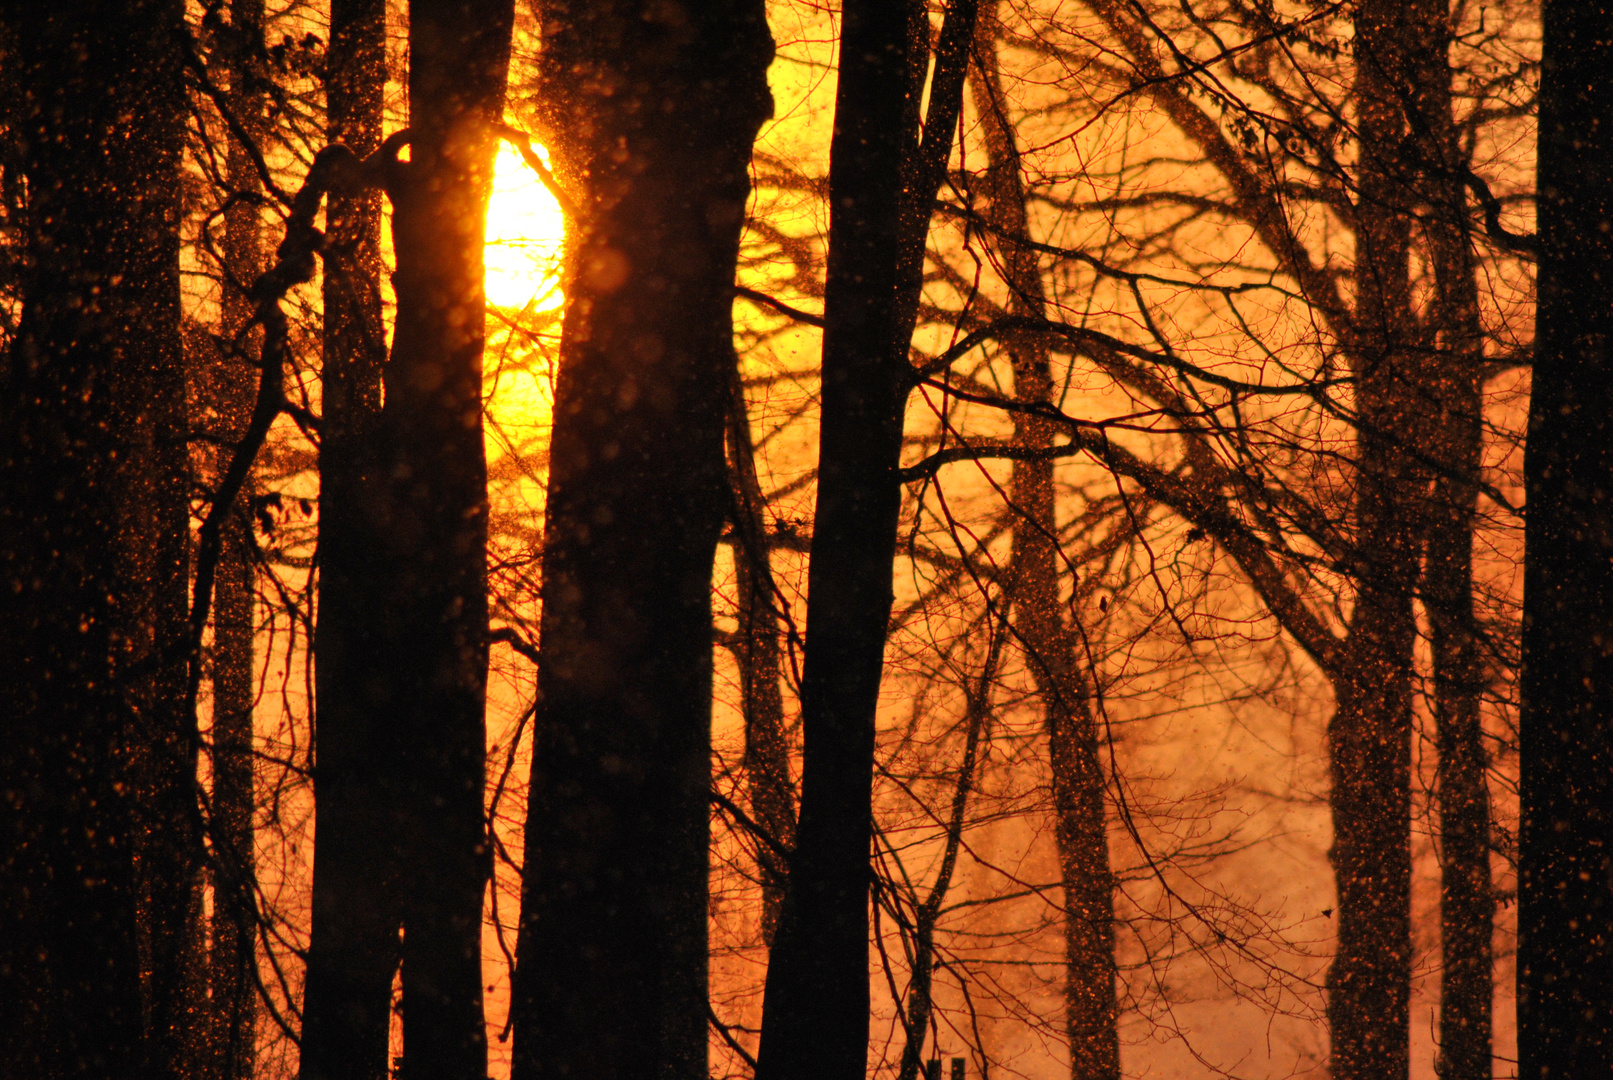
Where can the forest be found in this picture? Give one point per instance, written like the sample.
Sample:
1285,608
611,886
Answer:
806,539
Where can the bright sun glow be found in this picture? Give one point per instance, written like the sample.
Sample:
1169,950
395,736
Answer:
524,233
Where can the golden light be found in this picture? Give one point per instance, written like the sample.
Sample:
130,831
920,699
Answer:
525,229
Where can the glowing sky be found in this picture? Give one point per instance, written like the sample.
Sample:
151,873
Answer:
524,233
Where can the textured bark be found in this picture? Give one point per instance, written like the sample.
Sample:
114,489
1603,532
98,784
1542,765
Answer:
97,764
228,1050
356,914
650,110
435,549
1565,900
1369,738
1467,904
882,184
1050,646
757,650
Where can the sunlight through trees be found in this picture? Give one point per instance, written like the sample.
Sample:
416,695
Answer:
783,540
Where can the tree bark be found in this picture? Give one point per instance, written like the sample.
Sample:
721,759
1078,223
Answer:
650,111
1369,738
1050,646
97,767
1467,904
1565,891
228,1053
758,653
882,186
356,907
435,552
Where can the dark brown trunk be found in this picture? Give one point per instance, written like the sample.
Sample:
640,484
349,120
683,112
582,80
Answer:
434,553
1565,890
815,1015
357,832
97,765
1467,905
1369,739
1051,648
231,1007
650,111
758,653
882,186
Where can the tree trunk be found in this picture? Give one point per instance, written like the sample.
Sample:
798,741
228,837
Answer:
815,1015
757,650
882,185
436,538
1565,902
354,945
98,760
231,1007
1050,647
1369,739
650,111
1467,905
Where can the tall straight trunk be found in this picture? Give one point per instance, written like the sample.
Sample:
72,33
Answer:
1467,905
758,652
354,945
1467,902
882,185
228,1054
1050,646
650,111
1369,739
97,764
815,1012
435,549
1565,891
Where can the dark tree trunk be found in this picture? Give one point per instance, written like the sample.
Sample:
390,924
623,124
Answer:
1565,891
228,1054
758,653
356,913
1369,739
98,762
882,186
650,111
815,1015
1051,648
435,556
1467,905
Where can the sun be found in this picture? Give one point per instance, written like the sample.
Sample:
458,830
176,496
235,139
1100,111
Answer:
525,229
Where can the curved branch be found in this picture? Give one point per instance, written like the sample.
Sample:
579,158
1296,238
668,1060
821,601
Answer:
334,167
1199,501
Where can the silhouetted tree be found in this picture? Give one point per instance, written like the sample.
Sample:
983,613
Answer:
650,111
1565,849
228,1052
1052,648
757,648
353,951
434,555
99,759
1453,338
886,167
